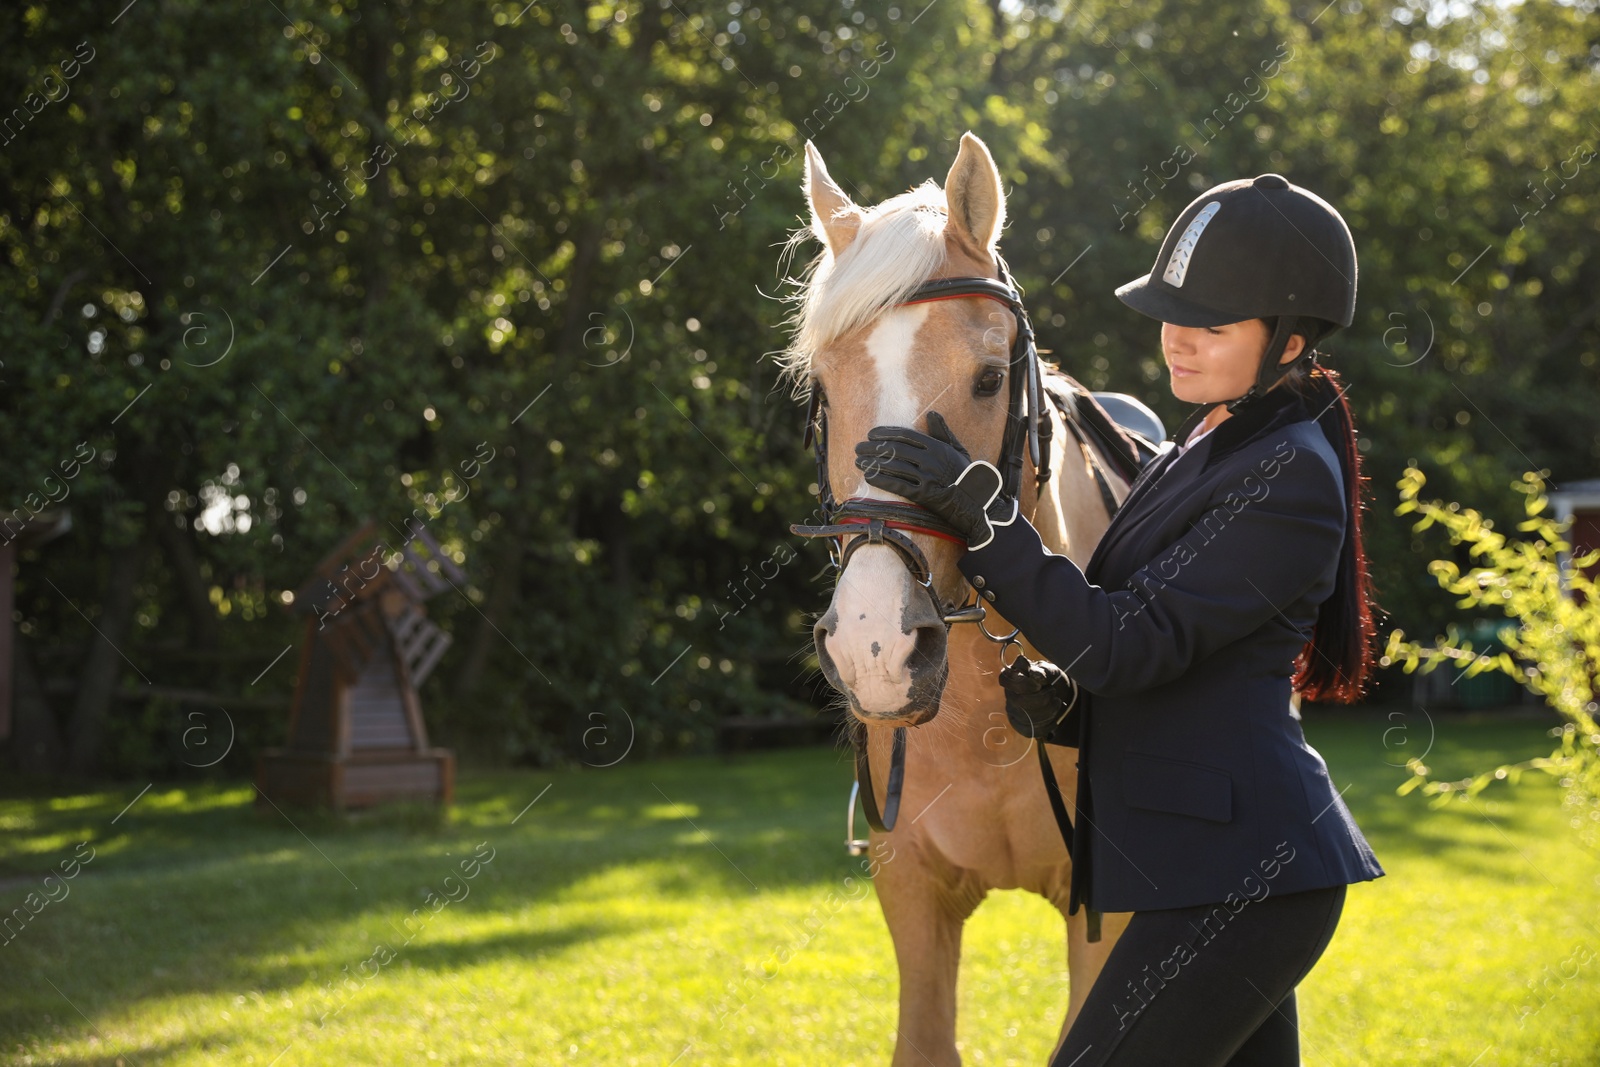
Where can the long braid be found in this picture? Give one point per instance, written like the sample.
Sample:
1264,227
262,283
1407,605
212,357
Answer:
1336,665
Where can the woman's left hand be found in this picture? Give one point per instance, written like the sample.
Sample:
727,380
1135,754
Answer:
935,471
1039,698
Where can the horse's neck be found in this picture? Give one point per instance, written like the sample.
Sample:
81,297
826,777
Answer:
1070,516
1068,513
1050,518
1063,509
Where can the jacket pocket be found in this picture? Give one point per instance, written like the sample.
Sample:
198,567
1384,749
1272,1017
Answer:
1160,783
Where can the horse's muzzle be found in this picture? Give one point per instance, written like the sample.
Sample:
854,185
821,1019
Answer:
901,685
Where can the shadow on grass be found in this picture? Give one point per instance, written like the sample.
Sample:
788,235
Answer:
195,890
113,1057
337,983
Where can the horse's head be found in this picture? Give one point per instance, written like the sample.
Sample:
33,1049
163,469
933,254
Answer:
871,360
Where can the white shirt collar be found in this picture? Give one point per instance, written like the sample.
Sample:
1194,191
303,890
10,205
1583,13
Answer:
1194,439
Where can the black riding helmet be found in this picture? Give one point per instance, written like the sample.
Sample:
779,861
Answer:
1256,248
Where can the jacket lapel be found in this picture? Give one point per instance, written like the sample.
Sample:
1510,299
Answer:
1148,498
1278,407
1151,496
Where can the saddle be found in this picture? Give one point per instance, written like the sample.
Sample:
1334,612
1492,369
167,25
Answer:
1137,421
1118,426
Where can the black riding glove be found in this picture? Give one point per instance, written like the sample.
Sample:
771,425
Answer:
1039,700
934,470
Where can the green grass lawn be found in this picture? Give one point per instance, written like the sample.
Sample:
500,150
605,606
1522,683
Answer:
636,915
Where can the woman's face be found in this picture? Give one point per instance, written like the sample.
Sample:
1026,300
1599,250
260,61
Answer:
1212,363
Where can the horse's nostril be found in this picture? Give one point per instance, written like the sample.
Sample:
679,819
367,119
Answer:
927,665
927,649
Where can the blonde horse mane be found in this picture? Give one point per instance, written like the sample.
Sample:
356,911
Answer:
900,245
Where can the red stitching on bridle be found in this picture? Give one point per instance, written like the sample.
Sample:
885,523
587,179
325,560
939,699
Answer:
896,524
955,296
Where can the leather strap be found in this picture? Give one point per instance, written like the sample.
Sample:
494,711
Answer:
1057,804
881,822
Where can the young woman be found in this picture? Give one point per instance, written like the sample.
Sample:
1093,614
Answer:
1231,578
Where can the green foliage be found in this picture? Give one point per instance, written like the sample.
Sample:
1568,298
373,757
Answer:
405,223
1554,649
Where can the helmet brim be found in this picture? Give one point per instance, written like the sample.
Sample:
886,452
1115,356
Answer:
1164,306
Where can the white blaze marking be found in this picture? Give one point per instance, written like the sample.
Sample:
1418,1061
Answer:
891,345
870,598
870,603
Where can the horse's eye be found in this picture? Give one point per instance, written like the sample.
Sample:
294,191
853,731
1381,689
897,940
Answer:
989,381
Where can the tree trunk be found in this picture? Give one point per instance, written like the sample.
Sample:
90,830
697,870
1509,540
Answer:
505,583
177,545
35,739
104,663
627,622
619,547
507,576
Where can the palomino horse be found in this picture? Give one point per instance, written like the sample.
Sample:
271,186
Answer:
979,814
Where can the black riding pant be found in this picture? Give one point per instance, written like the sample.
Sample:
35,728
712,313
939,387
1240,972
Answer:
1207,986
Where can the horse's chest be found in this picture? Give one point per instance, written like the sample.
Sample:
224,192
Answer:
997,825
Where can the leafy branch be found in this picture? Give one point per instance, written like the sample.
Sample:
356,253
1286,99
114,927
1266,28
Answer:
1554,650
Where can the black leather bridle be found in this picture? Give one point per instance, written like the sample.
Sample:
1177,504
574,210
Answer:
889,522
1025,416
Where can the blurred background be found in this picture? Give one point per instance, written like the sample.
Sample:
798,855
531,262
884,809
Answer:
503,280
275,271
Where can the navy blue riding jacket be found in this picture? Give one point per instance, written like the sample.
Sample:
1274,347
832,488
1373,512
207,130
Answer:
1196,784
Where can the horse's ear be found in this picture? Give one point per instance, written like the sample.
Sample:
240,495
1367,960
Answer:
835,219
972,192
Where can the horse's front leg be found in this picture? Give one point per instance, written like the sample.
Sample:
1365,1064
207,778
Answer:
925,904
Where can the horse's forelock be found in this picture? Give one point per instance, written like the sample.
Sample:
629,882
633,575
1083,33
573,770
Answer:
900,245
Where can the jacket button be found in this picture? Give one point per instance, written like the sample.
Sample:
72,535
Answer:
988,594
977,583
